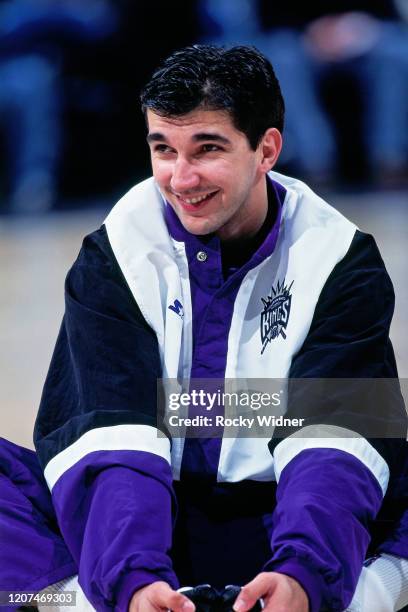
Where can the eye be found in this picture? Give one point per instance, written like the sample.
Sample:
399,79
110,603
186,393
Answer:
162,148
210,148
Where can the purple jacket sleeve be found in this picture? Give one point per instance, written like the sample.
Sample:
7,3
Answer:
325,501
115,512
331,488
96,435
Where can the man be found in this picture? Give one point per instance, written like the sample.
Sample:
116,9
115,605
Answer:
174,285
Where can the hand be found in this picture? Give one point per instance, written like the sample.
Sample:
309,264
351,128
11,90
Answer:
279,592
159,597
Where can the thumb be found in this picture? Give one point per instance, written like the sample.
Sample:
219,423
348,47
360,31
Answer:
176,602
184,604
251,592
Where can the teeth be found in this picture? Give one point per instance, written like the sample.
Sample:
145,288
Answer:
196,200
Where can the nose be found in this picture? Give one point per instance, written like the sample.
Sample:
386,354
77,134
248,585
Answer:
184,176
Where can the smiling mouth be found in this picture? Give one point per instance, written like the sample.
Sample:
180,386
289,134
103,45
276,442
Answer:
196,201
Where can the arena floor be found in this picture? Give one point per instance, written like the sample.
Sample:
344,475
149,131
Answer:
35,255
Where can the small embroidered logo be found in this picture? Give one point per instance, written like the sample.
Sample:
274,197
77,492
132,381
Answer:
177,307
275,315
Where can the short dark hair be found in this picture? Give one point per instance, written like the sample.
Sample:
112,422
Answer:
239,80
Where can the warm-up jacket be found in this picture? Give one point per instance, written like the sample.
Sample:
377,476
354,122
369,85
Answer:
146,300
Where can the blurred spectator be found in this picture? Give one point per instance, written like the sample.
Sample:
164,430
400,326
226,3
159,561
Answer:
32,38
364,44
229,21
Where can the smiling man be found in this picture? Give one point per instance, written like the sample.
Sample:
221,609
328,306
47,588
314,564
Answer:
209,174
219,268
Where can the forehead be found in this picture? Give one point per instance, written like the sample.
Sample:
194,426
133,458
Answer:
193,123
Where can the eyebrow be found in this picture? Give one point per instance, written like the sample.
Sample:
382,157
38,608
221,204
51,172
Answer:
213,137
200,137
156,137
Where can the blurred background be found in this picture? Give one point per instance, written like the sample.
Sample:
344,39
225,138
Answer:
72,138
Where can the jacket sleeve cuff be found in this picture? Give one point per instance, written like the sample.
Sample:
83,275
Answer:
311,581
136,580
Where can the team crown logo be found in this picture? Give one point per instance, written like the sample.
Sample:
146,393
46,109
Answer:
275,315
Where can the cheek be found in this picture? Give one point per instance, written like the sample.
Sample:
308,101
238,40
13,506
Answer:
223,176
162,173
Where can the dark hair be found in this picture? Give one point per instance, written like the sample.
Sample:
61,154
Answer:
239,80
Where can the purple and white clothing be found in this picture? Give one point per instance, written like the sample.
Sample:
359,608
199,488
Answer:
134,507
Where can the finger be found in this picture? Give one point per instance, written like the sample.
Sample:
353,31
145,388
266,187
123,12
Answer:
136,605
253,591
143,605
164,597
180,603
288,595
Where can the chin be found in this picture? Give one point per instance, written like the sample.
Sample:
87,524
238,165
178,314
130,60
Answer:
198,227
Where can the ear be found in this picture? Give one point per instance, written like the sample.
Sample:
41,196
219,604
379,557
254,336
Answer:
270,148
